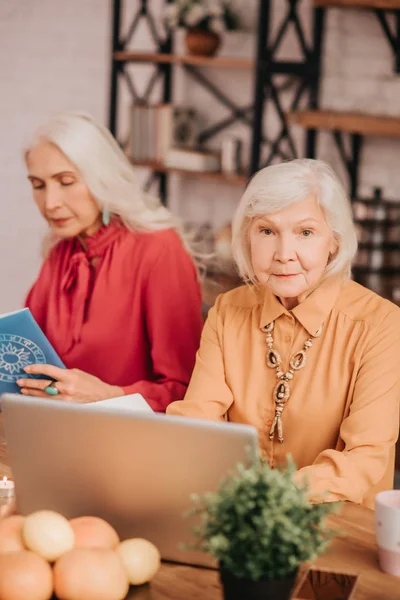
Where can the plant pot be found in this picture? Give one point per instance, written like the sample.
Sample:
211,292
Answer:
202,43
239,589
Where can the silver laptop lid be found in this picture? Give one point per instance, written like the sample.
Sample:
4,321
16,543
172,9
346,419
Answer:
135,470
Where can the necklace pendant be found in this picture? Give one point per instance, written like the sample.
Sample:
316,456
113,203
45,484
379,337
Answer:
273,358
298,361
281,392
277,424
272,430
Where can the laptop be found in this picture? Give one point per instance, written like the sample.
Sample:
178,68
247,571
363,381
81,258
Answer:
136,470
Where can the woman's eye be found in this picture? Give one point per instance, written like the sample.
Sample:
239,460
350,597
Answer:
306,232
67,182
266,231
38,186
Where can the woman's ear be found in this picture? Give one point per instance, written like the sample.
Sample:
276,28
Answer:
333,248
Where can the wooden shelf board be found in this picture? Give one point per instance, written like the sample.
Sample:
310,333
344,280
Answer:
387,4
201,61
358,270
347,122
376,223
389,246
378,202
210,175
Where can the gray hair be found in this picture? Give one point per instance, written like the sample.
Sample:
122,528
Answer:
273,188
108,174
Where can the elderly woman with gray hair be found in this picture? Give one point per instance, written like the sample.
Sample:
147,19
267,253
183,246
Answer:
109,293
302,353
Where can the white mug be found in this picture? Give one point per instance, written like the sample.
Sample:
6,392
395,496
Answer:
387,526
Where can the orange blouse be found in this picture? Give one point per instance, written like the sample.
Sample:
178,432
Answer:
341,421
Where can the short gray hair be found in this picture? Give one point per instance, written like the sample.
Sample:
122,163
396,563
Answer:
273,188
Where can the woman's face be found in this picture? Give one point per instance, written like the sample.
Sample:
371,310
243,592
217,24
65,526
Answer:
290,250
60,193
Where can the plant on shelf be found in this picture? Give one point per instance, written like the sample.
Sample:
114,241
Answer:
260,527
204,20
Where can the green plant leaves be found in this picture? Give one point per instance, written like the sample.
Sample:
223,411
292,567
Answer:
259,525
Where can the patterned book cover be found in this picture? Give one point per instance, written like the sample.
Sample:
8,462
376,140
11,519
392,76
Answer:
22,343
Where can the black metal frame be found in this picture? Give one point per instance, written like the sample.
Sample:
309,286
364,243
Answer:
118,68
392,38
308,73
237,113
305,76
119,71
305,73
351,159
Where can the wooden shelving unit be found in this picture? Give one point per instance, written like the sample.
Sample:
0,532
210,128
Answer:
160,58
382,9
181,59
347,122
354,125
360,270
208,175
164,60
377,263
377,223
268,68
383,4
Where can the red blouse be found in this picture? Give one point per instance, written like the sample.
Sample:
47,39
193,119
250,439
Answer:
133,319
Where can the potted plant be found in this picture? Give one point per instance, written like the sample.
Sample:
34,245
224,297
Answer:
260,527
204,21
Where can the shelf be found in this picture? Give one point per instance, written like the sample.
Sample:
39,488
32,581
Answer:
386,4
210,175
379,202
376,223
177,59
347,122
376,271
389,246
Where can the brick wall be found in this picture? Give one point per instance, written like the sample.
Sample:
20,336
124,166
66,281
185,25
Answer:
54,55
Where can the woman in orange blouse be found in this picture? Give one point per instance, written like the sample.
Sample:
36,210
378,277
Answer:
304,354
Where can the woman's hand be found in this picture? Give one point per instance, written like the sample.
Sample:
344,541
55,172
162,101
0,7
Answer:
72,385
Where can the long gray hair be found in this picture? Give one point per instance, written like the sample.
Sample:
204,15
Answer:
108,174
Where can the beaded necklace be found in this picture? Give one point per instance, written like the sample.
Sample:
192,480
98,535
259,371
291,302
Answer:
281,393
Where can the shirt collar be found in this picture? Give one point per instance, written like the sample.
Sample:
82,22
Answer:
311,313
97,243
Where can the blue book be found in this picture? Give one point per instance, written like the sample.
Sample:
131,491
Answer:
22,343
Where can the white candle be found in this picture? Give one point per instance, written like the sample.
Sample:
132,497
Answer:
6,488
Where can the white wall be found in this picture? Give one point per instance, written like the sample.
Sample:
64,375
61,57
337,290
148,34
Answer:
55,55
359,76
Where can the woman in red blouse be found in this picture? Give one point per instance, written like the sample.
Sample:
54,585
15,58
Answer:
118,295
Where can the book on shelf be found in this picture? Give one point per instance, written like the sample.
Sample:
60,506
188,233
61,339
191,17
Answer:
192,160
150,133
22,343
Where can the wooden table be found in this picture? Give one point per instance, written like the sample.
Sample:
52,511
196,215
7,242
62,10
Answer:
354,552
